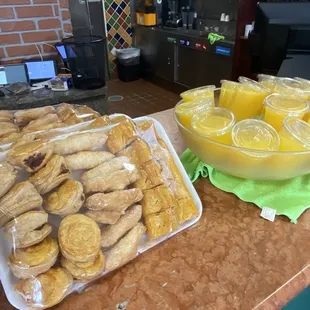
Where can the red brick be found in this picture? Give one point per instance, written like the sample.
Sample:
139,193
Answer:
65,14
44,1
17,26
21,50
8,2
56,10
6,13
34,11
50,48
64,4
9,38
50,23
39,36
1,53
68,28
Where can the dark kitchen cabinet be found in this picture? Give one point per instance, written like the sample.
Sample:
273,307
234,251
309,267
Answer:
165,60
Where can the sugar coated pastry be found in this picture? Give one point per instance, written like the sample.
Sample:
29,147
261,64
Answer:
7,177
104,217
23,117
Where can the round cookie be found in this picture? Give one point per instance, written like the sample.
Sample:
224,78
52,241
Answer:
79,238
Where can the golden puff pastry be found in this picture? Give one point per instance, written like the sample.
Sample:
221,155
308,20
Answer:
79,142
117,201
125,249
111,234
64,111
87,159
157,199
50,176
119,119
84,271
104,217
7,128
67,199
46,289
35,125
8,176
139,152
161,223
6,116
106,168
21,198
148,132
86,113
11,137
115,181
31,156
98,123
79,238
151,175
121,135
33,260
28,229
186,209
72,120
23,117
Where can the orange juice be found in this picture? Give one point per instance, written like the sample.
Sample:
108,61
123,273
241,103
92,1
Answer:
215,124
267,81
291,87
255,135
294,135
186,110
200,92
244,100
278,107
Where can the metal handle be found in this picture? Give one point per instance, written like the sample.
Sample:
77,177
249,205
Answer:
169,63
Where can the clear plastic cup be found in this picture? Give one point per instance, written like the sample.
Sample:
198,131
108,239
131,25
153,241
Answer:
186,110
305,82
291,87
294,135
200,92
254,134
215,124
268,81
278,107
245,100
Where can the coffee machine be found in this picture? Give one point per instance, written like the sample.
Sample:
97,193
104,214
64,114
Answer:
171,16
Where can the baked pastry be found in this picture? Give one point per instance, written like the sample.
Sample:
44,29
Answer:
64,111
111,234
98,123
118,119
79,238
6,116
148,132
151,175
126,248
106,168
86,113
21,198
23,117
117,201
104,217
186,209
87,159
115,181
85,271
7,128
72,120
161,223
67,199
157,199
50,176
6,139
121,135
78,143
45,290
28,229
139,152
7,177
31,156
36,124
33,260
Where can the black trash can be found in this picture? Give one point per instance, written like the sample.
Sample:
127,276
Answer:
128,64
86,60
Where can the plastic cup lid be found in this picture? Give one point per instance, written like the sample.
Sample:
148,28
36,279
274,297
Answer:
298,129
194,106
285,103
266,77
200,91
291,84
215,121
253,85
255,134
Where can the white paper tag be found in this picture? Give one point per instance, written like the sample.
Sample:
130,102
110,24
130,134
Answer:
268,214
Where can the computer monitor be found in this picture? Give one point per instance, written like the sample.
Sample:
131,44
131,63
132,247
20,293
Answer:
13,73
281,31
39,71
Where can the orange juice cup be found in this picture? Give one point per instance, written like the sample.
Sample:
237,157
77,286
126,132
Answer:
291,87
228,93
278,107
267,81
294,135
215,124
255,135
199,93
186,110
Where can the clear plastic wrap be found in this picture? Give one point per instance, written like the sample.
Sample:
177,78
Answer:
204,92
92,202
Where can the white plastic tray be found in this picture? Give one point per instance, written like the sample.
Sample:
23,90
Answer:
6,276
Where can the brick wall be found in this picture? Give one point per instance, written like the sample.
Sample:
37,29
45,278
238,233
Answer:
26,25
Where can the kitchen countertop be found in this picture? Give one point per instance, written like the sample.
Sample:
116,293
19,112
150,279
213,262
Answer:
231,259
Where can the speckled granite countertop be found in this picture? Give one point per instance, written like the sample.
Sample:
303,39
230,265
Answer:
231,259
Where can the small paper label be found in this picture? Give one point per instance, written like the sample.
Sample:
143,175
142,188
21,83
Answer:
268,214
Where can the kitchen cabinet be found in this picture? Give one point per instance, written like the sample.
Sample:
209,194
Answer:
165,60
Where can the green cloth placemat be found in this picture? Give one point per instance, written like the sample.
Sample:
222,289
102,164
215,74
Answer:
290,197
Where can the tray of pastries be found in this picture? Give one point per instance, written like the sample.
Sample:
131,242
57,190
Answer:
76,206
